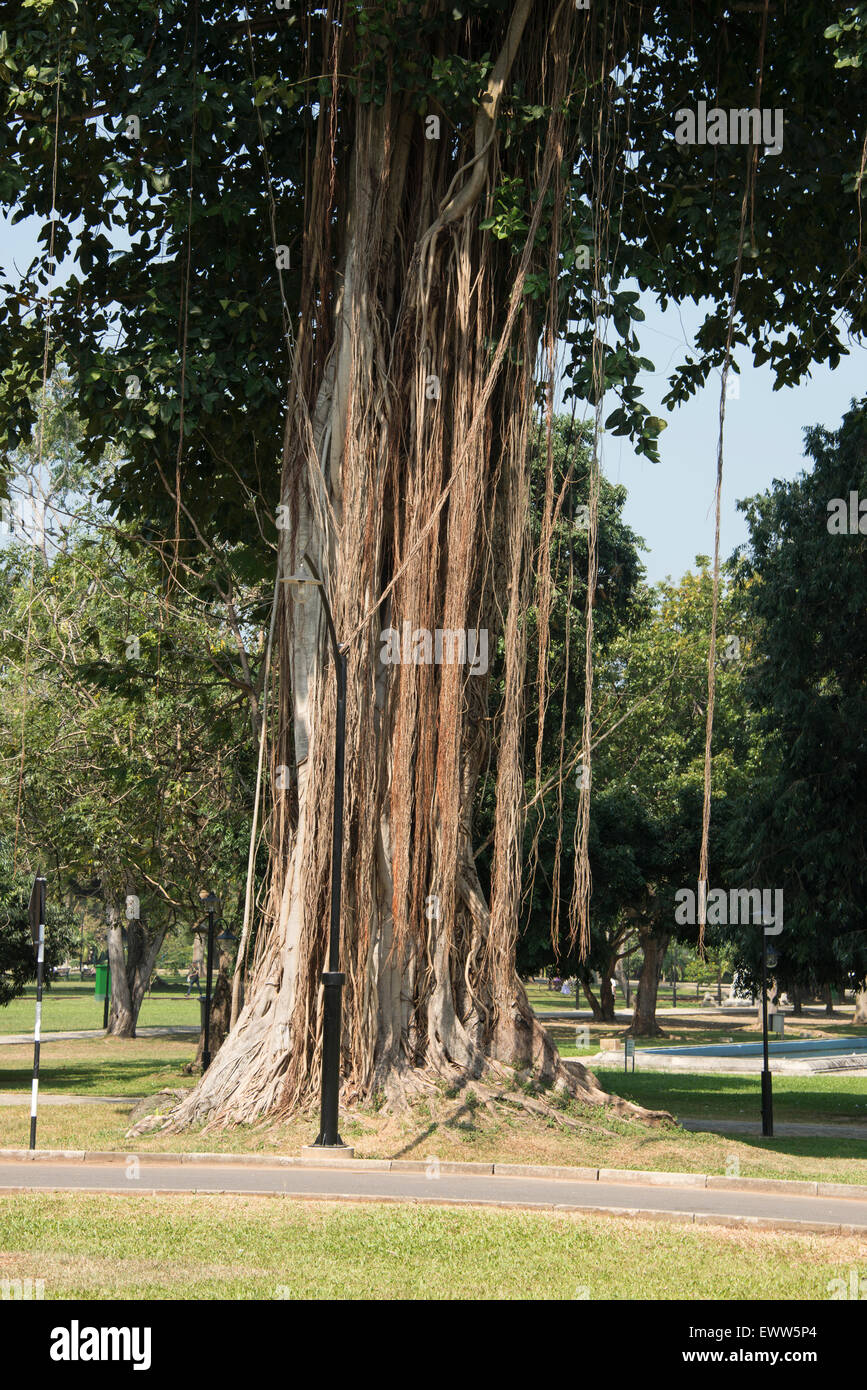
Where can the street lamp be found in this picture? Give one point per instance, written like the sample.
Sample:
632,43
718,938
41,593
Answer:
769,958
209,902
332,978
111,916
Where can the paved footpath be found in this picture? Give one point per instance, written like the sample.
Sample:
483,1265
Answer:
690,1202
157,1030
19,1098
783,1129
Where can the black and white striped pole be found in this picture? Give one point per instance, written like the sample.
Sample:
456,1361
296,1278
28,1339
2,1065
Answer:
37,931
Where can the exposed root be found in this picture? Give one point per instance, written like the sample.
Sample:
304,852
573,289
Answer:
543,1096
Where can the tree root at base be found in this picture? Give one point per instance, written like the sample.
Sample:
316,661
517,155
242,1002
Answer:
498,1087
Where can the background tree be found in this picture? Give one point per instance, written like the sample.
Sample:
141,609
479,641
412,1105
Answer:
125,752
802,828
648,772
17,956
554,712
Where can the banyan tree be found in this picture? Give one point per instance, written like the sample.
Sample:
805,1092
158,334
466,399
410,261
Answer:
373,246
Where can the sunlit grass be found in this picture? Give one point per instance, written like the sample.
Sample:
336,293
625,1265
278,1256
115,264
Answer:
205,1247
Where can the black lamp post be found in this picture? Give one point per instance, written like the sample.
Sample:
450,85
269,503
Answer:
769,958
209,901
332,978
111,917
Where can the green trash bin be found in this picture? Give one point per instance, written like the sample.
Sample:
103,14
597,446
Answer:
102,983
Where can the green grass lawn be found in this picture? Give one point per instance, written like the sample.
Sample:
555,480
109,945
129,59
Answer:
99,1066
450,1128
543,998
819,1098
69,1007
204,1247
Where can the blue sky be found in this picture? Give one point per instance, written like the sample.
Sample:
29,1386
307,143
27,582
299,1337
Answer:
670,504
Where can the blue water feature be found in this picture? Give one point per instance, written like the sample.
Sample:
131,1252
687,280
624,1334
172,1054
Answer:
805,1047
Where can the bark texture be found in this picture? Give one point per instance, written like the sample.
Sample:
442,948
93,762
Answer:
406,481
130,973
603,1007
644,1024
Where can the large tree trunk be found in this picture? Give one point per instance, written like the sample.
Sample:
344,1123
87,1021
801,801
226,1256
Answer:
130,977
860,1014
644,1024
406,479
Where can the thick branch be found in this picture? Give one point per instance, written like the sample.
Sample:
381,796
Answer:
464,199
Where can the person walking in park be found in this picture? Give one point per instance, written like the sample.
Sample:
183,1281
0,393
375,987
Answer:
193,979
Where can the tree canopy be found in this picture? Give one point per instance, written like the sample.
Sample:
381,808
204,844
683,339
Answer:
184,137
802,827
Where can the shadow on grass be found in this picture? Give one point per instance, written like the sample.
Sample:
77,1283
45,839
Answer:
714,1097
134,1075
806,1147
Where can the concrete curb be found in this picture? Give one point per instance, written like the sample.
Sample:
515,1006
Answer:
649,1177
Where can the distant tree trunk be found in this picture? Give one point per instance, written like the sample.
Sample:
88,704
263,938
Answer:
603,1008
773,991
860,1014
829,1001
644,1024
606,996
797,999
595,1005
130,977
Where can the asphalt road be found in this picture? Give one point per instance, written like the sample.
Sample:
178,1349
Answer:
690,1203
